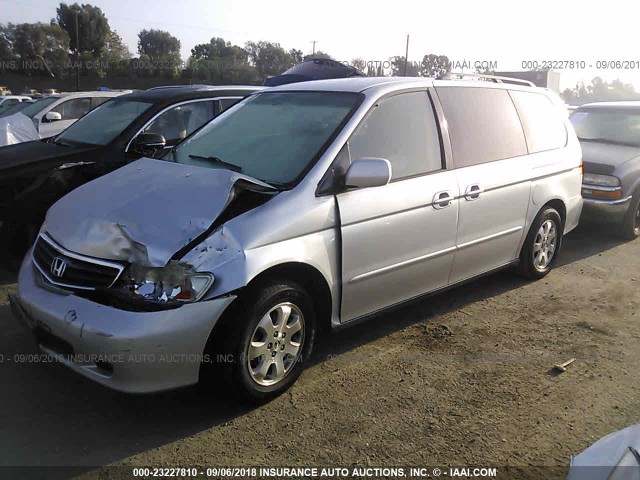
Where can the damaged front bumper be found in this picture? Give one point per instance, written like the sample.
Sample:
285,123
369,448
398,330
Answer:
134,352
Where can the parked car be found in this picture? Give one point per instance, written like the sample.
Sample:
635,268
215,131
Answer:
58,112
15,108
50,91
33,175
8,101
609,133
5,90
307,205
32,92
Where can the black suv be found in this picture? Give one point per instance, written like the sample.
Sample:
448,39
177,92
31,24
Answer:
33,175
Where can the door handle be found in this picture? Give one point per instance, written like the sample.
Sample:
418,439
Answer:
473,192
442,199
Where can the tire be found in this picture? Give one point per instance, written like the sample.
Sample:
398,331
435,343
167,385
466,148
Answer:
630,226
542,245
258,351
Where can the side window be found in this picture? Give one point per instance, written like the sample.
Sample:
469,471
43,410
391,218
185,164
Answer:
73,109
541,119
95,101
178,122
224,103
483,124
403,130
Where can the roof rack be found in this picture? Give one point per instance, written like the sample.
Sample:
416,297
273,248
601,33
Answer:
495,78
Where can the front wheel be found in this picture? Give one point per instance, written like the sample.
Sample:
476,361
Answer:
541,247
269,336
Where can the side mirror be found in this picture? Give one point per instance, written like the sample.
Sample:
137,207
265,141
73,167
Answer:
148,143
368,172
52,117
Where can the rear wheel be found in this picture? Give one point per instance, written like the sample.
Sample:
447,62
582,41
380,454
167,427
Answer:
265,341
542,244
630,227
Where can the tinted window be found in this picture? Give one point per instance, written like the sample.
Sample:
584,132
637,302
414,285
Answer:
34,108
96,101
483,125
403,130
178,122
228,102
73,109
104,123
542,121
273,137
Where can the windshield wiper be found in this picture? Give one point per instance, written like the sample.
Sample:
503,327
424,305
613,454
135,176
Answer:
607,140
218,161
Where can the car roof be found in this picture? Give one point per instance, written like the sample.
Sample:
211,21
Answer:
372,84
186,92
622,105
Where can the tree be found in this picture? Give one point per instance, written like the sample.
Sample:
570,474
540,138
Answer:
7,42
114,48
318,54
296,55
398,68
359,63
220,62
435,65
268,58
600,91
157,44
45,46
93,27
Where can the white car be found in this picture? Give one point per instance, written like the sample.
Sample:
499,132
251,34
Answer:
7,101
53,114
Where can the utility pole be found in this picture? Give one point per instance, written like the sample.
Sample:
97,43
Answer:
314,46
406,56
77,56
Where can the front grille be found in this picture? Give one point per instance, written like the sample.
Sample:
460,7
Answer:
67,269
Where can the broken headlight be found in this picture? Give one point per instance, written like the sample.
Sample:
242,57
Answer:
176,282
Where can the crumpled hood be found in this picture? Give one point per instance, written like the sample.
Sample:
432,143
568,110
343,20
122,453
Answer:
146,211
603,158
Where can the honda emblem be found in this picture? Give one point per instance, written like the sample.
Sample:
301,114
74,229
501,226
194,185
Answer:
58,266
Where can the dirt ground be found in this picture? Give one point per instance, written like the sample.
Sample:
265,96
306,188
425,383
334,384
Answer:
460,379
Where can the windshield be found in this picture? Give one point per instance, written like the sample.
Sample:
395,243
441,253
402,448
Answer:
104,123
608,126
273,137
11,109
36,107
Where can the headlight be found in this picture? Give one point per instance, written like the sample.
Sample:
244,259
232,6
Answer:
600,180
175,282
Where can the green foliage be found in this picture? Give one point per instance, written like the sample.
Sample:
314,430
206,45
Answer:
93,27
269,59
158,44
599,91
434,65
398,68
40,47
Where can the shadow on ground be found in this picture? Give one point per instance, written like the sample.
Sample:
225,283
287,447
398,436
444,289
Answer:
51,416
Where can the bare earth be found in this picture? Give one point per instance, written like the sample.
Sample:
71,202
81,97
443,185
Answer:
460,379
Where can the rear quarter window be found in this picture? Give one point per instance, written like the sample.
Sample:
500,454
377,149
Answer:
542,121
484,125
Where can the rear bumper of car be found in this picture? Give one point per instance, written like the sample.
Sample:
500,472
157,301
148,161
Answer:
134,352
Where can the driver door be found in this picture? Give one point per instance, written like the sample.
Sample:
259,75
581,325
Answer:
398,240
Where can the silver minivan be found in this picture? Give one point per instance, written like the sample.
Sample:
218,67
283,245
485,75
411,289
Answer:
307,205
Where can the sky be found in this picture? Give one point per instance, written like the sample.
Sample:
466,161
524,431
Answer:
502,32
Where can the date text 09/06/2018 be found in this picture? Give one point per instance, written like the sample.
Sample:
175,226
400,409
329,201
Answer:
313,472
580,64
